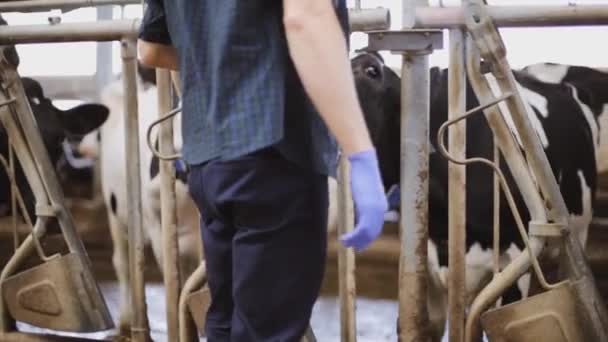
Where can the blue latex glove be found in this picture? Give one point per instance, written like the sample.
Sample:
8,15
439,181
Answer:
369,200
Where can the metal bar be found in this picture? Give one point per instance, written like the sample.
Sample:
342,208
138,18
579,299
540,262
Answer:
521,175
369,19
139,324
47,5
103,72
413,321
496,212
413,312
516,16
105,30
168,216
30,337
505,140
28,165
110,30
11,170
346,257
457,189
187,328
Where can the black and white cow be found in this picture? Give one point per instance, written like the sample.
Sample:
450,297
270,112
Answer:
565,117
591,87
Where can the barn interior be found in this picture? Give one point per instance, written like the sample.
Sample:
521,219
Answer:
377,268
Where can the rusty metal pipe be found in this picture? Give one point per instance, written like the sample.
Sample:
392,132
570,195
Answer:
139,324
413,311
516,16
413,322
47,5
503,136
187,330
104,30
346,256
521,175
170,259
457,189
369,19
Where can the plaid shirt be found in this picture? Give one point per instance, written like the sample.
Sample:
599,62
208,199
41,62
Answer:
240,90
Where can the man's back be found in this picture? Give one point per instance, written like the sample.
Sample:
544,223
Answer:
240,89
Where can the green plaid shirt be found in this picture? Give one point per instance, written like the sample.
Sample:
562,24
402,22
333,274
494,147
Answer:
240,89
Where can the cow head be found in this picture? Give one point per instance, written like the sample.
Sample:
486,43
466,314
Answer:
379,88
55,126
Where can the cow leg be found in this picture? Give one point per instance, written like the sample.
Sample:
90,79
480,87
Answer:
120,260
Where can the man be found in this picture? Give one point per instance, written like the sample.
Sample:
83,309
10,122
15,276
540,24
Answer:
262,81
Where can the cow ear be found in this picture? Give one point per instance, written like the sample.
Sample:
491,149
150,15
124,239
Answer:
84,118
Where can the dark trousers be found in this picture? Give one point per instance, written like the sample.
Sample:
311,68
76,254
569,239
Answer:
264,225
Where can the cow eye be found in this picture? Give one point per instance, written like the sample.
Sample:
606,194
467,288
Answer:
372,71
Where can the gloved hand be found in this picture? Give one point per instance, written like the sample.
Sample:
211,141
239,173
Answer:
369,200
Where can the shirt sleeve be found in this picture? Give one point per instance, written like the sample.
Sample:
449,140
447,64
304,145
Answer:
154,24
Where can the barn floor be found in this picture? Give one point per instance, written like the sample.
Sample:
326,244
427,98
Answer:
375,317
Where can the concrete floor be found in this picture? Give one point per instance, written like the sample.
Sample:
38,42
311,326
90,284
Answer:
375,317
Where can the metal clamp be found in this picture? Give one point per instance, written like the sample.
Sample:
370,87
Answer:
545,229
369,19
156,153
482,28
409,41
45,210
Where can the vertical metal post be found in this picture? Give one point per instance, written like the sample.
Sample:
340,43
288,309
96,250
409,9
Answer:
413,311
457,188
415,92
168,208
103,74
346,256
139,323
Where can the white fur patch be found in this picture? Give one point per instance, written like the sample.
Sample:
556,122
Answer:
588,115
530,99
580,223
548,73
